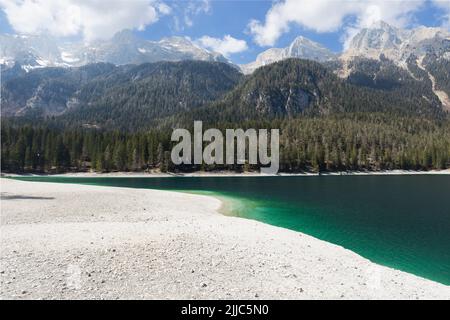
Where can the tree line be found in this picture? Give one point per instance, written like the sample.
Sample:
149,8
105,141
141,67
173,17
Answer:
365,141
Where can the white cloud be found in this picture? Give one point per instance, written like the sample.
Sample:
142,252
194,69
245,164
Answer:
444,5
226,46
190,10
199,6
329,16
90,18
185,12
164,8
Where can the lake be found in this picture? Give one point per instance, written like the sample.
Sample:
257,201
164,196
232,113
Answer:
399,221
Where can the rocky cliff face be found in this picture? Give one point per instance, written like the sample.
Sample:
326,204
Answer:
383,40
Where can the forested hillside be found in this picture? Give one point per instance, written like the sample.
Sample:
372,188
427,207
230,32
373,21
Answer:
295,87
121,118
439,68
150,92
412,84
126,97
46,91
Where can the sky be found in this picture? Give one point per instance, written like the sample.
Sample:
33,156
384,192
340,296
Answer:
239,29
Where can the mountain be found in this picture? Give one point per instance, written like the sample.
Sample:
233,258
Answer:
32,52
294,87
301,47
437,69
389,58
325,122
396,44
126,48
384,69
28,50
380,40
46,91
135,96
380,105
118,96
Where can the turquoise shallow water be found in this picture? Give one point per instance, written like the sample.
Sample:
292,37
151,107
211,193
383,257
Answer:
398,221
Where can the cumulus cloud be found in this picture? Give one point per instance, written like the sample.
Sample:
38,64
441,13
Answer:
226,46
92,19
329,16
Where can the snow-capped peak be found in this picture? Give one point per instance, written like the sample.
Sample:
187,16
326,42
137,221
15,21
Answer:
394,43
301,47
379,36
305,48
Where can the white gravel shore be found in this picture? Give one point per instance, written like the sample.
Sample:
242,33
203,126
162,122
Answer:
63,241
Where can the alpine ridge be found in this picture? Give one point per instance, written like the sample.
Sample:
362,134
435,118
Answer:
32,51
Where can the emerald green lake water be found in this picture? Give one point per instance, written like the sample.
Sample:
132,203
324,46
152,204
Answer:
397,221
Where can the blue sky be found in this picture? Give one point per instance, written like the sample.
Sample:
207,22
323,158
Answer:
238,29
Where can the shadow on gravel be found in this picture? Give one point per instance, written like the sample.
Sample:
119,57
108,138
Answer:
5,196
